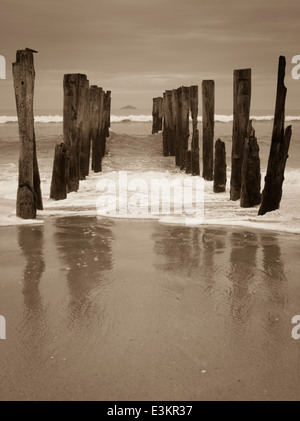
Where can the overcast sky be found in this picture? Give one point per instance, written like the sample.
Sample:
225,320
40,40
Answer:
139,48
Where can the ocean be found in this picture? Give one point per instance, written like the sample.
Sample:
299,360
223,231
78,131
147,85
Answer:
137,154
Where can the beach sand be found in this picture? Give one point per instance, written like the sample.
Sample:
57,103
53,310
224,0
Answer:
112,309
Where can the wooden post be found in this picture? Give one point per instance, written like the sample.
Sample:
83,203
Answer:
250,184
188,160
73,114
29,197
105,121
183,122
96,100
241,113
175,125
272,193
166,149
170,131
58,190
220,167
84,107
195,167
208,120
155,123
160,112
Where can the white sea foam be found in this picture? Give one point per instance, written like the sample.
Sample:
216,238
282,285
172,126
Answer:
143,118
218,209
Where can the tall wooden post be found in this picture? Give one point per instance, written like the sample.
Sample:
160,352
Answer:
160,113
84,108
166,146
175,125
272,193
241,113
219,167
208,120
183,122
155,123
105,121
73,114
170,131
58,189
195,167
29,197
250,187
96,99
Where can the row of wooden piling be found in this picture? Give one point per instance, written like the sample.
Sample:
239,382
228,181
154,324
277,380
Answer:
86,122
179,107
245,182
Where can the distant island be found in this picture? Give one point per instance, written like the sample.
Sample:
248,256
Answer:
128,107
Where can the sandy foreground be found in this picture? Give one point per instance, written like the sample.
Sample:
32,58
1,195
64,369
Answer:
109,309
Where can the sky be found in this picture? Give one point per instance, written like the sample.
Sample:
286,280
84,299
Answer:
140,48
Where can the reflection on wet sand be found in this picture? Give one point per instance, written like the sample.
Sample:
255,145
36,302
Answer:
33,329
242,274
85,250
137,310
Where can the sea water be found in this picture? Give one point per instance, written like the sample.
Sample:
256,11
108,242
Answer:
133,151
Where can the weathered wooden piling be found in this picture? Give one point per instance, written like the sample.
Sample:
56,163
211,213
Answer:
160,113
175,125
155,124
96,108
188,160
241,113
85,137
183,122
105,121
195,167
157,115
58,190
251,177
29,197
165,133
73,118
219,167
208,120
272,192
170,124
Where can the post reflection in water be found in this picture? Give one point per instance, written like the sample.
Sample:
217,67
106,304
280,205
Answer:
34,323
85,249
275,284
242,274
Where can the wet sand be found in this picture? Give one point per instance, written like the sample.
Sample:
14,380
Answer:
109,309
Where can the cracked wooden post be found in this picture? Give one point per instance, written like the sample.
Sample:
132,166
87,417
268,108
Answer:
84,106
251,177
58,190
188,162
272,193
166,149
155,123
195,167
241,113
160,113
29,197
183,122
219,167
175,125
96,108
170,121
105,121
208,120
73,118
